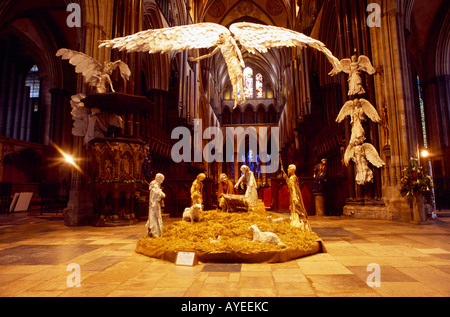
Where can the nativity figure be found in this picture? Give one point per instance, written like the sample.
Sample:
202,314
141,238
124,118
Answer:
251,193
225,187
197,190
154,223
299,216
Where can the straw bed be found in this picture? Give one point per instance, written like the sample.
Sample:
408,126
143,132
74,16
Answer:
235,236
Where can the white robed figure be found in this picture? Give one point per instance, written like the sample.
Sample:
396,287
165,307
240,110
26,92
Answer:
251,194
354,66
154,223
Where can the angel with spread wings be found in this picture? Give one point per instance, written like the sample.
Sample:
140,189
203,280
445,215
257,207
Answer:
353,68
95,74
361,154
357,109
90,123
205,35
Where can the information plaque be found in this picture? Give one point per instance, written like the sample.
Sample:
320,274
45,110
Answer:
186,258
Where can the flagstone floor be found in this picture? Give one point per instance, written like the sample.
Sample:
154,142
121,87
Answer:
412,260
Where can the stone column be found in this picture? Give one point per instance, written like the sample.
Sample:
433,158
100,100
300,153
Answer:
319,200
80,207
393,89
97,25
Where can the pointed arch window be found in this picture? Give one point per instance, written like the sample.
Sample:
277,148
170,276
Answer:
33,82
422,115
253,84
248,82
259,86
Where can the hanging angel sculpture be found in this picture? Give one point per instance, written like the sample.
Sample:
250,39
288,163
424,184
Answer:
353,67
253,37
95,74
358,109
361,154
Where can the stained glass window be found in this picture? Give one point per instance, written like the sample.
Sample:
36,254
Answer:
422,115
248,82
33,82
259,85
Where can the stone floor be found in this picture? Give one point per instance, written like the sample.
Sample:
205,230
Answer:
412,260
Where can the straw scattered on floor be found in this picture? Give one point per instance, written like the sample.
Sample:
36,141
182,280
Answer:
235,234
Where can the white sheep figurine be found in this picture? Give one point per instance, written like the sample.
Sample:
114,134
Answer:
218,240
192,213
278,220
265,237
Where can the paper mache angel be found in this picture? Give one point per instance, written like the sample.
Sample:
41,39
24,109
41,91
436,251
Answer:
90,123
358,109
361,154
80,115
252,37
353,67
95,74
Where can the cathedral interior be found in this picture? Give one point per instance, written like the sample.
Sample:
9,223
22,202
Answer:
287,89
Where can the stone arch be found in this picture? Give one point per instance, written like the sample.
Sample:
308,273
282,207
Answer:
236,116
261,114
249,115
271,114
226,115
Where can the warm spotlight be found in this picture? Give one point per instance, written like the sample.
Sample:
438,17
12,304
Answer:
68,158
425,153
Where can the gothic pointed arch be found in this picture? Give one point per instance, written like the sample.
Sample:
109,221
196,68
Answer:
261,114
249,117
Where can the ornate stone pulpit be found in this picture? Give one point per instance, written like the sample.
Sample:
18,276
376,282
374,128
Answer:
115,160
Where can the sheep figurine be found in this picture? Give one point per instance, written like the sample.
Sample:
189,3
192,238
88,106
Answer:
265,237
218,240
278,220
192,213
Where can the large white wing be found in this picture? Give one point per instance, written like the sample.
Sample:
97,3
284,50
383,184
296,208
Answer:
345,67
80,115
84,64
260,37
372,155
349,154
370,110
346,110
365,65
125,71
177,38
